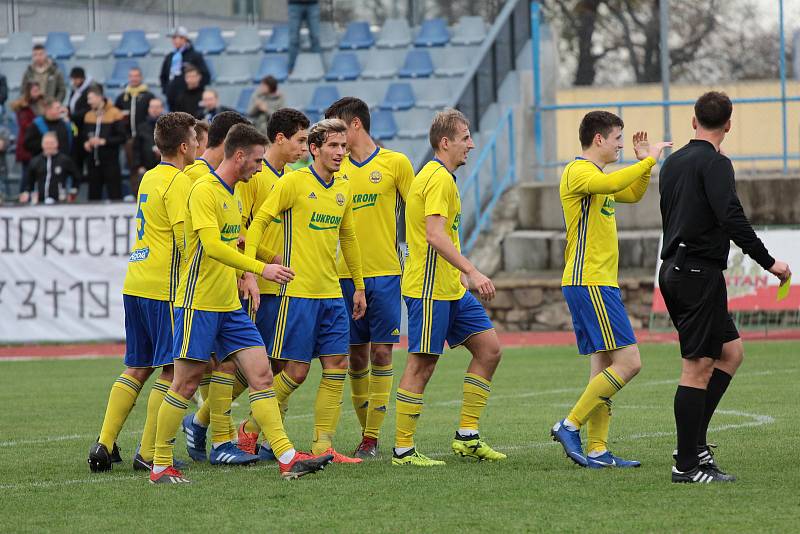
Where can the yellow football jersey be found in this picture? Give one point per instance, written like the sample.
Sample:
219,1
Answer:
253,194
379,185
155,263
199,168
313,215
207,284
588,197
426,275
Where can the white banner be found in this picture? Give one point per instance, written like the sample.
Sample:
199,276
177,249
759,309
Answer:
61,271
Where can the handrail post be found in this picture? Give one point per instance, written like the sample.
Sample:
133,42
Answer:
537,89
783,91
512,152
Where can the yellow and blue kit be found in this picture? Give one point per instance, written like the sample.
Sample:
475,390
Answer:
199,168
316,217
590,285
439,307
154,265
379,186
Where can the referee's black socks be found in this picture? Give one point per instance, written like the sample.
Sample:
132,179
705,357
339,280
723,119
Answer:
690,406
717,386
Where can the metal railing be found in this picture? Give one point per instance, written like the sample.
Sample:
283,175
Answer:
472,189
539,108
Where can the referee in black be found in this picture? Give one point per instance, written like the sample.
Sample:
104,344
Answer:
700,215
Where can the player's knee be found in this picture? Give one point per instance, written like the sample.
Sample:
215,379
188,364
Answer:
228,366
336,362
185,389
260,379
167,373
140,374
381,354
297,372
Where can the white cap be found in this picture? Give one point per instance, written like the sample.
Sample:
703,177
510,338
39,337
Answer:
180,31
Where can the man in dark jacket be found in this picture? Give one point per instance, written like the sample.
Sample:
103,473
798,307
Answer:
133,103
78,107
48,173
44,71
3,94
102,137
189,100
145,153
52,121
172,81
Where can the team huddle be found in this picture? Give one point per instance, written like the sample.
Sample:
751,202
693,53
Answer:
245,271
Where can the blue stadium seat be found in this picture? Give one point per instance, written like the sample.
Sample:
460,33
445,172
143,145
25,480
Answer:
209,40
433,32
327,36
18,46
399,95
273,65
119,76
382,124
356,36
344,66
308,68
324,96
243,101
13,71
418,64
94,45
59,46
211,63
469,31
234,69
395,33
246,40
133,44
279,40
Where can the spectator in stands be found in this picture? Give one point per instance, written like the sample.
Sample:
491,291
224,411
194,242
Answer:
51,174
27,107
102,137
145,152
189,99
134,103
3,95
201,129
211,106
44,71
173,70
5,140
52,120
265,100
78,107
300,10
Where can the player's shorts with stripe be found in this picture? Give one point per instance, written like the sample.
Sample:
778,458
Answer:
306,328
148,331
199,333
381,323
598,318
432,322
264,321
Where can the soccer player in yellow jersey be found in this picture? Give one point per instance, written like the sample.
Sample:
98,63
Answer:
440,308
379,181
590,285
149,290
209,317
210,158
316,212
201,128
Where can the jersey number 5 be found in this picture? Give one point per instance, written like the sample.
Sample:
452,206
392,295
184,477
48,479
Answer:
140,216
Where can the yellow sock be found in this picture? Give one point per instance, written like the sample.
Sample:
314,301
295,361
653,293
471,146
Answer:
169,420
239,385
601,388
203,387
219,404
120,402
476,393
327,409
359,393
264,406
597,428
409,408
284,387
380,386
147,447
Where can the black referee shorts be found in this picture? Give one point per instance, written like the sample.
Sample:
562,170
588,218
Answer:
697,301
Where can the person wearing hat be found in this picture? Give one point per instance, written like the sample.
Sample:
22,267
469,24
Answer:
172,82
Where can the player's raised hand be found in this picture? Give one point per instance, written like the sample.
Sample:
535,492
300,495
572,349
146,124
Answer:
248,288
277,273
781,270
482,284
359,304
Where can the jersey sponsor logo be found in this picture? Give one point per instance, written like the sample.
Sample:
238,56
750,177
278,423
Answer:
312,196
456,222
229,232
323,221
140,254
340,199
364,200
608,207
375,177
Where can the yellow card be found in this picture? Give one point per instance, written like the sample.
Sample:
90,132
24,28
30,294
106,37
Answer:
783,289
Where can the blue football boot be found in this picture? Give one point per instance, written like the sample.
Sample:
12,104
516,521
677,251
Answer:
195,438
265,454
609,460
571,441
230,454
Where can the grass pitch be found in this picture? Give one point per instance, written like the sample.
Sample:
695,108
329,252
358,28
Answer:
52,411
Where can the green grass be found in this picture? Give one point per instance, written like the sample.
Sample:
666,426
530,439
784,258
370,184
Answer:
52,410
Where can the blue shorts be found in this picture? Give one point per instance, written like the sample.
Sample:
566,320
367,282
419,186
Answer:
306,328
381,323
598,318
199,333
264,321
148,332
431,322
